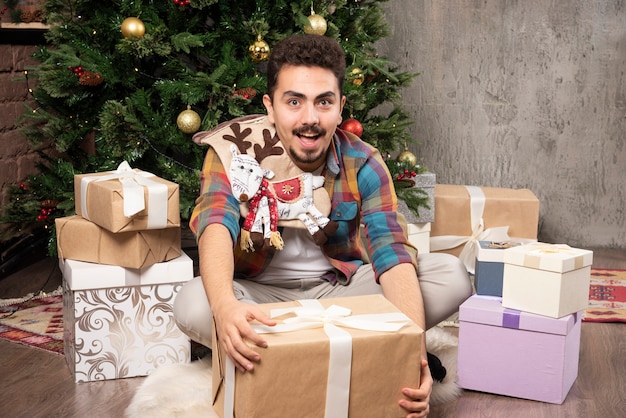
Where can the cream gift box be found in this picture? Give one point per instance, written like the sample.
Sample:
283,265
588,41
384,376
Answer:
514,353
118,322
83,240
490,267
127,200
465,215
546,279
301,375
419,236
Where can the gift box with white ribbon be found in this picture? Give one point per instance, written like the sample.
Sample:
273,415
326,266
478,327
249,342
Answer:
514,353
127,200
465,215
546,279
329,358
118,322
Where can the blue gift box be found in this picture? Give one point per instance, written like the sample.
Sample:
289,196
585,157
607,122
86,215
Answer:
490,267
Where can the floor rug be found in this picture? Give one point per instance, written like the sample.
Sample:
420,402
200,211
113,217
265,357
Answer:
166,392
607,296
35,321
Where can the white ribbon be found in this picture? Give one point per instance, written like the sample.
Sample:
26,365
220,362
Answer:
133,183
470,250
311,314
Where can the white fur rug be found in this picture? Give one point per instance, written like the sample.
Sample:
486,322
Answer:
184,390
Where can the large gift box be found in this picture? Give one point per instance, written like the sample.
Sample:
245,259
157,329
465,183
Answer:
127,200
83,240
465,215
490,267
356,365
118,322
546,279
514,353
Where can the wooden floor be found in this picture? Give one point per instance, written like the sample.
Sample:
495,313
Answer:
35,383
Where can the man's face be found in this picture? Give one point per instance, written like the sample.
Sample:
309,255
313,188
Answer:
306,109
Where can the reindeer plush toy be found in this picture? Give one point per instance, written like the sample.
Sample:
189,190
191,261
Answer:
293,195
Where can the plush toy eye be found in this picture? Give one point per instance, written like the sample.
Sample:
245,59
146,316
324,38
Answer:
241,167
251,170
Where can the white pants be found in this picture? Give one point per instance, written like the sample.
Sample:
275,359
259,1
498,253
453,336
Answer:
443,280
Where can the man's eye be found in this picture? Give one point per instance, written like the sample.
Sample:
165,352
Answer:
293,102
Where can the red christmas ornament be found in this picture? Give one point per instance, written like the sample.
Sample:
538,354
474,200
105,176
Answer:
353,126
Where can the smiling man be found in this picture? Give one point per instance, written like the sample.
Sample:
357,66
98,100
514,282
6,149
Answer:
304,104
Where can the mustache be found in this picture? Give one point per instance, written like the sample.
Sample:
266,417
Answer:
309,129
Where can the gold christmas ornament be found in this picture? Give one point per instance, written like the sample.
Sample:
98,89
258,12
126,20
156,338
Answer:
259,50
133,27
317,25
407,156
188,121
357,76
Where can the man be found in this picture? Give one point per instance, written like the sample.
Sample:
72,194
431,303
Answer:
304,103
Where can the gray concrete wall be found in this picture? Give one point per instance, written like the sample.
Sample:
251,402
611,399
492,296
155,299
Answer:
523,94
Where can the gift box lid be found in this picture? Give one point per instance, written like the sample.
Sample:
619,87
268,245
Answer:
81,275
488,310
492,252
559,258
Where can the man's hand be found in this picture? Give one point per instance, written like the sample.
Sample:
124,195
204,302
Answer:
232,321
418,400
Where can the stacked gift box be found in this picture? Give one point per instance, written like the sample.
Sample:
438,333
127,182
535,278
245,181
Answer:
519,335
122,267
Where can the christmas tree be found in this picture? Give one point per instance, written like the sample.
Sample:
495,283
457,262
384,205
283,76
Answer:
133,80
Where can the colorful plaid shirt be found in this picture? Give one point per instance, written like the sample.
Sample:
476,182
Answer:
362,193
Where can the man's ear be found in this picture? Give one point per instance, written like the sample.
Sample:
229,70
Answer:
267,102
343,102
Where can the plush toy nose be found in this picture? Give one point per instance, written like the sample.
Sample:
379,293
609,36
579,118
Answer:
243,197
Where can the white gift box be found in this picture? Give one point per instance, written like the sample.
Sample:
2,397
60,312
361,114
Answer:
118,321
546,279
419,235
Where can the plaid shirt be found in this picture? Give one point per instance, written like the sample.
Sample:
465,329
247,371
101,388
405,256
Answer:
361,191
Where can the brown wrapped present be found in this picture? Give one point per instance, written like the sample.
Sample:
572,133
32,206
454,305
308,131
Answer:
127,200
83,240
465,215
324,370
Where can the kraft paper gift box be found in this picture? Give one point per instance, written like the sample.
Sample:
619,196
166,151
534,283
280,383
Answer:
465,215
118,322
490,267
127,200
514,353
546,279
301,375
83,240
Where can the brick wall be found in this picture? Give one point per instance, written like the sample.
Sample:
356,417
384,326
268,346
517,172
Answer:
17,156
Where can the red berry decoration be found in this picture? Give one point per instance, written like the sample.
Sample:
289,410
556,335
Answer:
353,126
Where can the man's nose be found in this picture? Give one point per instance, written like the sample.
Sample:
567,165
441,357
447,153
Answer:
310,115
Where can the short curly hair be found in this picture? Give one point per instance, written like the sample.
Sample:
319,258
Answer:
309,51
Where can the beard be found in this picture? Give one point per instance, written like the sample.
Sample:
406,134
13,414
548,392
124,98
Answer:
308,156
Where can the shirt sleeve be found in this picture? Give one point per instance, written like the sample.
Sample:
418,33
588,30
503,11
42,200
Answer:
216,203
385,228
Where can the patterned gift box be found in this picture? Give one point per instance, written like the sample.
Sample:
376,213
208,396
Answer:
514,353
82,240
118,322
546,279
426,182
331,359
127,200
465,215
490,267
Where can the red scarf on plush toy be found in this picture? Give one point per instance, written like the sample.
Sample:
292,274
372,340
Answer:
275,238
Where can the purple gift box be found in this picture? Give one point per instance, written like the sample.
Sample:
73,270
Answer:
514,353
